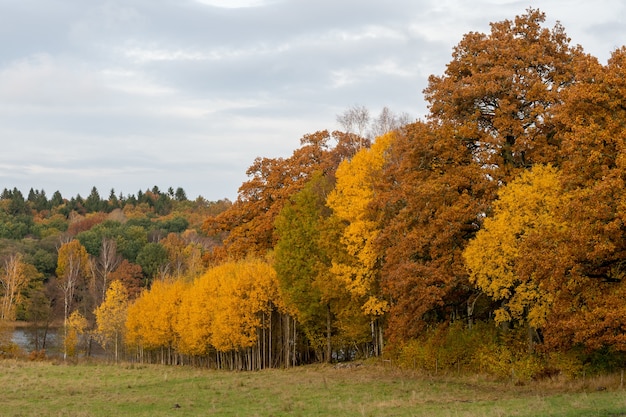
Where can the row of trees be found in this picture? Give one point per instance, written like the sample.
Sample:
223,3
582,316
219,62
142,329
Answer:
505,205
38,200
54,265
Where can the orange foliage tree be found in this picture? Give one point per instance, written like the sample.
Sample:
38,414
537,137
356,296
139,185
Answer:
500,89
429,200
589,309
249,222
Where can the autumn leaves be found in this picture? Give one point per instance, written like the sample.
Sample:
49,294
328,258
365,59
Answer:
511,192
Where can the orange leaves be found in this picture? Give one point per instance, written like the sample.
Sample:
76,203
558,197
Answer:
429,197
249,223
499,91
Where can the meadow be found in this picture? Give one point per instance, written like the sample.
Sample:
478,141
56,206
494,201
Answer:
90,390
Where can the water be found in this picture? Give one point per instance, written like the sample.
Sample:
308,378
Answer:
25,338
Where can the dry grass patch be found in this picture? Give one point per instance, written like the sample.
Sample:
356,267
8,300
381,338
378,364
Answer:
44,389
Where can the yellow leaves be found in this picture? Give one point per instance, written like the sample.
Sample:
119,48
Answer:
75,327
14,277
350,202
72,260
375,307
222,309
224,306
111,315
151,318
498,258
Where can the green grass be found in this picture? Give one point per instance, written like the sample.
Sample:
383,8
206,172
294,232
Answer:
47,389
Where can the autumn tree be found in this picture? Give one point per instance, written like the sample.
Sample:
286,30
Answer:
72,267
429,199
15,275
131,276
249,222
111,317
184,257
75,327
359,269
589,309
151,320
504,258
500,89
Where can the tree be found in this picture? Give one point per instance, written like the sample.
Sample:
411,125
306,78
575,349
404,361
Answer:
249,222
503,259
303,260
588,309
14,277
388,121
500,89
76,325
131,276
355,120
111,317
56,200
94,203
103,265
153,260
359,269
72,267
180,194
430,197
151,319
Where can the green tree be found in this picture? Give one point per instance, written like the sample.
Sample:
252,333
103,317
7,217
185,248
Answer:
303,262
154,262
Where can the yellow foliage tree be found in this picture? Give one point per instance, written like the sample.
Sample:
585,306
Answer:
503,259
349,200
74,329
111,317
224,307
151,319
14,277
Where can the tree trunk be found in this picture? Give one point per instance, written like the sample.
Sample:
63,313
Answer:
329,346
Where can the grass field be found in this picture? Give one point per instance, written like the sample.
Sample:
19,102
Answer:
47,389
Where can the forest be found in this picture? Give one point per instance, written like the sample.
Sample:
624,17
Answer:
488,237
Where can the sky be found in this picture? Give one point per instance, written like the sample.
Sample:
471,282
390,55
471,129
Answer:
130,94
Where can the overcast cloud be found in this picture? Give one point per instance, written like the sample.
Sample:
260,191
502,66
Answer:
186,93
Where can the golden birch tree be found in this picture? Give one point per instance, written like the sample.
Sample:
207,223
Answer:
14,277
111,317
72,266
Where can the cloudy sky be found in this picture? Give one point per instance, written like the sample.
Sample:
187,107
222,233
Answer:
186,93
